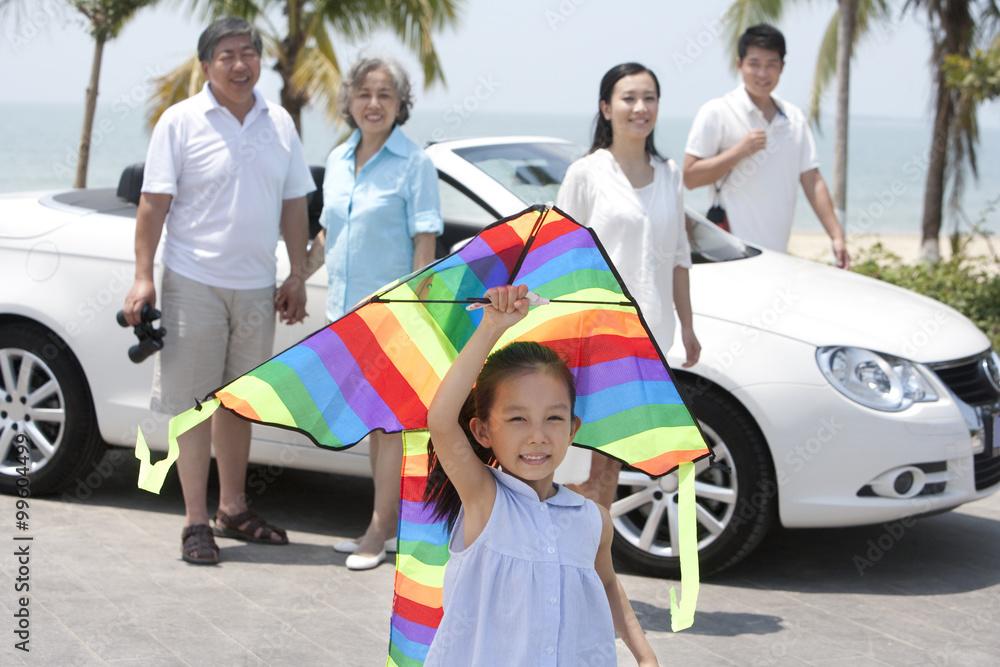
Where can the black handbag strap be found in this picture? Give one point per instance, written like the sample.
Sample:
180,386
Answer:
717,198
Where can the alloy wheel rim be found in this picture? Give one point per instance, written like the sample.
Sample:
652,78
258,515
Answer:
646,514
31,404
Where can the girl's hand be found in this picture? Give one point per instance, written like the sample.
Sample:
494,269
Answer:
508,306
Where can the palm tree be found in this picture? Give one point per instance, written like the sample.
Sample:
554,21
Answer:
954,33
106,19
977,78
851,21
303,50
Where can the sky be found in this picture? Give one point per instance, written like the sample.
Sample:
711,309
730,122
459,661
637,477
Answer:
525,56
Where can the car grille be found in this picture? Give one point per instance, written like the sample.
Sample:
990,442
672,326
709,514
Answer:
987,470
970,381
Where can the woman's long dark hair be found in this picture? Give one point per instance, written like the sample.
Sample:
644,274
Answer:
603,134
514,359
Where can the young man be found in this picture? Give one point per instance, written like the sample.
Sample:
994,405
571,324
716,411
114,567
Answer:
225,172
756,148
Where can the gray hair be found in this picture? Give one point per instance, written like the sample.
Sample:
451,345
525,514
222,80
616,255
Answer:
355,76
222,28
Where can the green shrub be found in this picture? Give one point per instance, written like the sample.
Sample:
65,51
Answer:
960,282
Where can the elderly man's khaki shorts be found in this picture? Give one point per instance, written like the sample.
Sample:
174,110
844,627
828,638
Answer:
214,335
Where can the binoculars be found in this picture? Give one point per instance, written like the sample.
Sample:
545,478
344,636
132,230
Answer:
150,337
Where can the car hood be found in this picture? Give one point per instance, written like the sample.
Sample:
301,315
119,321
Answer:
822,305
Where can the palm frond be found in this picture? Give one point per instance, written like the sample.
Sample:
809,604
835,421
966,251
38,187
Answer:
210,10
319,73
412,21
963,140
744,13
128,13
870,14
178,84
954,33
826,68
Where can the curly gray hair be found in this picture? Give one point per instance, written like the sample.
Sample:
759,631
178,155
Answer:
355,77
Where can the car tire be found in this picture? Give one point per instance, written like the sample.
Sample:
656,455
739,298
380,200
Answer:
45,404
736,507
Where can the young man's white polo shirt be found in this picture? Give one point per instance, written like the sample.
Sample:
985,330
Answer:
228,181
760,191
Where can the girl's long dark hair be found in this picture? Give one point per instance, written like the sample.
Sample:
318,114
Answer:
513,359
603,134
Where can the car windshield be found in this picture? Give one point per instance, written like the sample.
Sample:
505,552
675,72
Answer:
710,244
533,171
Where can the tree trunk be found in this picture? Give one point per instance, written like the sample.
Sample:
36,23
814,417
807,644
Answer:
847,18
292,98
90,105
953,36
293,101
936,167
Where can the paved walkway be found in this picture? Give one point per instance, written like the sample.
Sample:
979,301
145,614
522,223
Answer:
108,587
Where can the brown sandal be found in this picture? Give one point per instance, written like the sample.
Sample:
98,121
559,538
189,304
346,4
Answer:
244,526
198,540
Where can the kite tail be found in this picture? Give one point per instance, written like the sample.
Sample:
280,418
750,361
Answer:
682,615
151,475
421,555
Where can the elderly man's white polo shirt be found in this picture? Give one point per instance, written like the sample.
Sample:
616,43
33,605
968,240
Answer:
759,193
228,181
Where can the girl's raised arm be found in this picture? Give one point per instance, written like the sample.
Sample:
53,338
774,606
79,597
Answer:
474,484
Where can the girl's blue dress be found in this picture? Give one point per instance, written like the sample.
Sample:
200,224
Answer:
526,592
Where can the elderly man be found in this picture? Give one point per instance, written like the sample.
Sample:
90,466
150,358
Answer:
225,172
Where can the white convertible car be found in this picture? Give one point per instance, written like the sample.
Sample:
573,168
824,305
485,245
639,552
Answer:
830,398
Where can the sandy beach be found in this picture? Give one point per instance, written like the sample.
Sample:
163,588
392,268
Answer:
816,246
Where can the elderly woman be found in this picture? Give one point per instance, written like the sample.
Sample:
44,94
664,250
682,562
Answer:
380,220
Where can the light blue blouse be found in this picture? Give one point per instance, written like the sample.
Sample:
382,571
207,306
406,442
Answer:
526,592
371,217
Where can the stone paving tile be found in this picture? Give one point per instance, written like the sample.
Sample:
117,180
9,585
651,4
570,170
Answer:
338,635
262,633
681,649
109,631
149,662
195,637
52,642
860,661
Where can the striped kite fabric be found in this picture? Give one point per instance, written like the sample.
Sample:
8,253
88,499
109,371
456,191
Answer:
380,365
421,554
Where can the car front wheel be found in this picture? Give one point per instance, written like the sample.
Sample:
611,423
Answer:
735,505
48,432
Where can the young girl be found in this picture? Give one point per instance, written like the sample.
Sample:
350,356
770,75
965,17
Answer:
530,579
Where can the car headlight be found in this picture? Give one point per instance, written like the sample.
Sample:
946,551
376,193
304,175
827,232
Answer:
991,365
875,380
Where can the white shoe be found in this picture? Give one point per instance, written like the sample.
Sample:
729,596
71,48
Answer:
350,546
356,562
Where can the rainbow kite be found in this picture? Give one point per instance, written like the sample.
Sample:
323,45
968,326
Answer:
380,365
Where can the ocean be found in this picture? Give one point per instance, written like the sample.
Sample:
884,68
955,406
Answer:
886,171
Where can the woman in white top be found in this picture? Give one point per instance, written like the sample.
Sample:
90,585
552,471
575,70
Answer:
631,196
